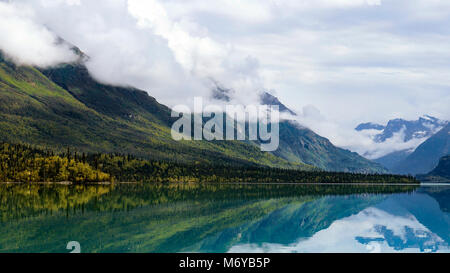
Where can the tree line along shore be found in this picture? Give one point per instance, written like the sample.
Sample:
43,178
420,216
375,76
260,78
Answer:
25,163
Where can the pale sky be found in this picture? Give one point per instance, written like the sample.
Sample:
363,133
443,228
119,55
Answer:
337,62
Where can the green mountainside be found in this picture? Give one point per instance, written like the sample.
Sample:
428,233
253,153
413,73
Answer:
100,118
64,107
300,144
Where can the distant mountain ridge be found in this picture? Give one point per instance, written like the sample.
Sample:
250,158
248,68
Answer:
302,145
424,127
443,168
391,160
440,174
268,99
369,126
221,93
426,157
411,132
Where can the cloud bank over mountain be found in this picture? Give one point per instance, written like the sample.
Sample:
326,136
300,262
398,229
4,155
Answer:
351,61
27,42
399,135
136,43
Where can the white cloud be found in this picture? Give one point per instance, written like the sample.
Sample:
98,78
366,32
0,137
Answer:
200,55
174,60
395,143
26,42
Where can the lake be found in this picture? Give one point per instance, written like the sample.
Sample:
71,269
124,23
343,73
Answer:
165,218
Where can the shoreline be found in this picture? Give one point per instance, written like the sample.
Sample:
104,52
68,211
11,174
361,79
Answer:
67,183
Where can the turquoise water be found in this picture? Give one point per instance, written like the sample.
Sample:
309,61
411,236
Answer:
224,218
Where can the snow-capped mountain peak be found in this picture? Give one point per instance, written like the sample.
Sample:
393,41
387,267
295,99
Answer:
424,127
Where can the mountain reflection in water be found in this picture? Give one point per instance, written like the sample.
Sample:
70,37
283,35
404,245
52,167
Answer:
224,218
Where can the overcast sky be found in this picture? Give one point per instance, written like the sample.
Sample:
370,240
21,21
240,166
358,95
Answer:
337,62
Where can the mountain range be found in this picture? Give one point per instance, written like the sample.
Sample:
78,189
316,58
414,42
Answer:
424,127
301,145
64,106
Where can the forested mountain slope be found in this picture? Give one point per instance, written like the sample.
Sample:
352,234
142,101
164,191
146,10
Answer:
64,106
87,115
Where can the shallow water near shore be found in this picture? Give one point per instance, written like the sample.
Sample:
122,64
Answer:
148,218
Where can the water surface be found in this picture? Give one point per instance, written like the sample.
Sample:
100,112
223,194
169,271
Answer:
224,218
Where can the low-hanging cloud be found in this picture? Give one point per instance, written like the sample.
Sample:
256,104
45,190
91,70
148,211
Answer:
361,142
196,52
28,43
136,43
